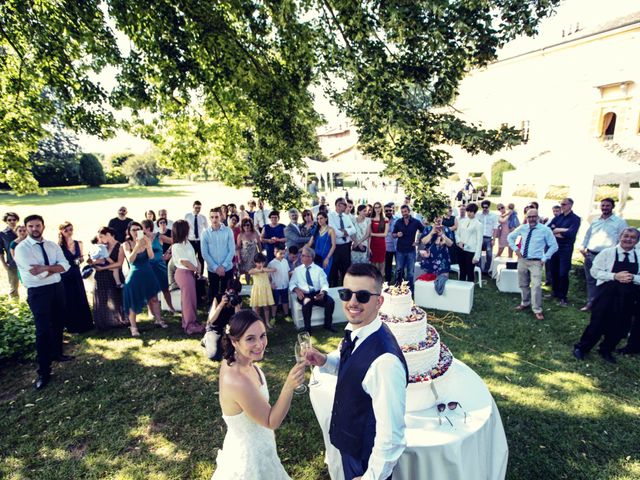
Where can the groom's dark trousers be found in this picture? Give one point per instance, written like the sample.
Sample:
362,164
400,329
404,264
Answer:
354,467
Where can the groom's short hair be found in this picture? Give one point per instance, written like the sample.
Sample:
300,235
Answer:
366,270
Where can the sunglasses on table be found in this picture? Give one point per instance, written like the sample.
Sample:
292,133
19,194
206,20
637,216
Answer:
451,406
362,296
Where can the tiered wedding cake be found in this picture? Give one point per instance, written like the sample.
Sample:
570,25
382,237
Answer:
428,359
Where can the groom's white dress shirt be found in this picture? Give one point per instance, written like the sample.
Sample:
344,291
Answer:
385,383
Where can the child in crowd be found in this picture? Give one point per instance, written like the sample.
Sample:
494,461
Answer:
280,281
293,259
261,295
99,254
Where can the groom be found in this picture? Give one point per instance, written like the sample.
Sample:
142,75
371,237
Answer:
367,420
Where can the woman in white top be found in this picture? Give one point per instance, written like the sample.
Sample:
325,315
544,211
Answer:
360,244
187,269
249,448
469,238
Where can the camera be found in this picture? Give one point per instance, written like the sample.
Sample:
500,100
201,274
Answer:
233,298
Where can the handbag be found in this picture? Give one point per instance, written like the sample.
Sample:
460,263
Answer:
210,343
360,248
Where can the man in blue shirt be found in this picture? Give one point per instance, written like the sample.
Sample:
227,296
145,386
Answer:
405,231
218,249
565,228
538,244
603,233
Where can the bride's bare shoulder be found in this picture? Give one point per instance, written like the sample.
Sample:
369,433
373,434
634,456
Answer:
234,379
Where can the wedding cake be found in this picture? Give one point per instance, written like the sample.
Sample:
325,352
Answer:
428,359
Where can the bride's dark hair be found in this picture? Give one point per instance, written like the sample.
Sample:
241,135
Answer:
238,324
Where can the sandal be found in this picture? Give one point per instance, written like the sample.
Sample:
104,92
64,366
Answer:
161,324
134,332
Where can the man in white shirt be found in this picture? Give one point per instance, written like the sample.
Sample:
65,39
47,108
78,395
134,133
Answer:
197,225
367,420
603,232
261,216
617,277
490,223
162,213
40,263
344,227
309,283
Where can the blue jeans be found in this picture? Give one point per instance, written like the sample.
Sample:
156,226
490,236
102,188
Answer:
405,261
486,247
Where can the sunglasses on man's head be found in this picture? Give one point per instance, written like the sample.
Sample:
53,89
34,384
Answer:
362,296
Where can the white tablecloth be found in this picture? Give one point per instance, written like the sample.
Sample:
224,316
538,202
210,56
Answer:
496,262
475,450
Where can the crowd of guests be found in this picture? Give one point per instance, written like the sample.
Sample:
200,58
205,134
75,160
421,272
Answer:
206,256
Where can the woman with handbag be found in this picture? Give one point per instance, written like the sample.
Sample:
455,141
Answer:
360,243
187,269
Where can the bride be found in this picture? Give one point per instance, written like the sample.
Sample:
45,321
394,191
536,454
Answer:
249,448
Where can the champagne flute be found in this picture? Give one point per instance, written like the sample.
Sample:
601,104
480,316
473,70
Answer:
305,342
302,388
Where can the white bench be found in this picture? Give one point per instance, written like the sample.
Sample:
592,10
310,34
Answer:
175,299
457,296
455,268
507,280
317,314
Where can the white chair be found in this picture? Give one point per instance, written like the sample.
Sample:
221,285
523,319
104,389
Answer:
507,280
317,314
457,296
478,273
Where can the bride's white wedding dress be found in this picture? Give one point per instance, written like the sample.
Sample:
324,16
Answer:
249,450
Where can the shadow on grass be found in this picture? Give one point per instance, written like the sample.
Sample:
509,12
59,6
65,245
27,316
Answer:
138,408
80,194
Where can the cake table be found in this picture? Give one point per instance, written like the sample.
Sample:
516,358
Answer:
475,450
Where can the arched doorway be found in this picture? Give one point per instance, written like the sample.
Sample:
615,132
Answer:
609,125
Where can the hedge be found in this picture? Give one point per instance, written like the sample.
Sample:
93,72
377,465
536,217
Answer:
17,330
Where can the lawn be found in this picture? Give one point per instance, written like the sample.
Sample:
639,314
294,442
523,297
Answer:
147,408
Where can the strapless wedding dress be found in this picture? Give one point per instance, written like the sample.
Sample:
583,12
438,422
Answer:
249,450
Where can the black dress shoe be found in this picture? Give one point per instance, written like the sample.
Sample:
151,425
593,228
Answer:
606,356
64,358
579,354
331,329
41,382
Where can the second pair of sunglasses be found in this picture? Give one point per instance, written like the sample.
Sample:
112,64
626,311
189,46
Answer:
451,406
362,296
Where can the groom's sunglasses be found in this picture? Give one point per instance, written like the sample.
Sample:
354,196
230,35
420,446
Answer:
362,296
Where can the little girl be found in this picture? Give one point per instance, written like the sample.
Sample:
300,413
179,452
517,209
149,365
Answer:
261,295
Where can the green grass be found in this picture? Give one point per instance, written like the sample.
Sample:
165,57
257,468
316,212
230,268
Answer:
81,194
147,408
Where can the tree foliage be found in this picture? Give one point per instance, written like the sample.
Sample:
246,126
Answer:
91,171
223,87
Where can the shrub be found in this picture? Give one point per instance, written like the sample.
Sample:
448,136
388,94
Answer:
91,171
57,171
115,175
17,330
526,191
497,171
454,177
557,192
143,170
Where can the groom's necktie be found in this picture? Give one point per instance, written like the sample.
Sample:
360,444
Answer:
346,347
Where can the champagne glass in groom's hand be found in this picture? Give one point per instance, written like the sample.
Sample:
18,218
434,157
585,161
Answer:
304,339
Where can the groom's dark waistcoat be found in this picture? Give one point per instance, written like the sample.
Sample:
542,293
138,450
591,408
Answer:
353,423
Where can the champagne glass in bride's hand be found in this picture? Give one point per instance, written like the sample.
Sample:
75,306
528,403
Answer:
305,342
300,389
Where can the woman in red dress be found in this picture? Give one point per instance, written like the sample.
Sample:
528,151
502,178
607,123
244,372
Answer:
379,230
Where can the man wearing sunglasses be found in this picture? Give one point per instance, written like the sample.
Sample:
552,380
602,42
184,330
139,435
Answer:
309,283
6,237
367,420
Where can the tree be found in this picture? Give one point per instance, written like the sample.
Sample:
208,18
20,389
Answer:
55,163
91,171
227,83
